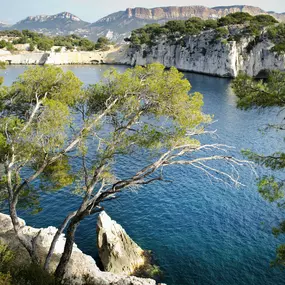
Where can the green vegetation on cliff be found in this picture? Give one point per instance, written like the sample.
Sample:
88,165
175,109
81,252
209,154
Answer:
45,43
173,30
277,35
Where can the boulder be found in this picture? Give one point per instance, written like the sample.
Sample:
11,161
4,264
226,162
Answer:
80,265
117,251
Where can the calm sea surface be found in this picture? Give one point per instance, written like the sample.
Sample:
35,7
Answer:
201,232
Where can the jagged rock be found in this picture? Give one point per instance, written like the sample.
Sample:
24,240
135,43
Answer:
80,264
117,251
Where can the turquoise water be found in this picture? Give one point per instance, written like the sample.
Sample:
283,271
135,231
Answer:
201,232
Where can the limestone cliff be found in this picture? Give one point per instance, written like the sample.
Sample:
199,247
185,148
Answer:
180,13
205,54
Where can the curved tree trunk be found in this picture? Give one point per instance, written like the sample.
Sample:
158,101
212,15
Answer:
17,228
60,270
55,239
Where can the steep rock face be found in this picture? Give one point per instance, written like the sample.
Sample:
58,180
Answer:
204,54
80,264
117,251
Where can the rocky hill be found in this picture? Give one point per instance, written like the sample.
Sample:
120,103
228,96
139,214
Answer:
62,23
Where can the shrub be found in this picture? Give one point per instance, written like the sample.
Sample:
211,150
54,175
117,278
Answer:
6,257
221,32
10,47
58,49
31,47
45,44
279,48
3,44
210,24
5,279
277,35
234,19
33,274
264,20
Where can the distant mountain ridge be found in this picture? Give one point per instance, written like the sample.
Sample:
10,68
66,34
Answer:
121,23
118,25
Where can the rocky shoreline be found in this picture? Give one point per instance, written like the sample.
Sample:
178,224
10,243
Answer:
80,264
115,55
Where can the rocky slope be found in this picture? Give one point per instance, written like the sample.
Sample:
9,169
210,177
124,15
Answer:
205,54
80,264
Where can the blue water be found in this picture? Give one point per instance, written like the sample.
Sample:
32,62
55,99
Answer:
201,232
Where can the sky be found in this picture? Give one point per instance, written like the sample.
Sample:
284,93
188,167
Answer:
92,10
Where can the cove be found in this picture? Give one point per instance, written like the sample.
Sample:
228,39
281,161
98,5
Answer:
201,232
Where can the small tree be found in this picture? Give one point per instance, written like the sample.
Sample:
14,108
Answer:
45,44
103,43
3,44
31,47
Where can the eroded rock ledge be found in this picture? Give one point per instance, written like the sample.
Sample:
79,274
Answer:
80,264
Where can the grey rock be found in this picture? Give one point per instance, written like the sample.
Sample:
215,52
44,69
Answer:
117,251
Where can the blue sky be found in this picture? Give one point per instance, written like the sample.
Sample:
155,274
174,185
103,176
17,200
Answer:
92,10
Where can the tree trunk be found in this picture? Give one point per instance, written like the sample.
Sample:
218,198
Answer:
17,228
55,239
60,270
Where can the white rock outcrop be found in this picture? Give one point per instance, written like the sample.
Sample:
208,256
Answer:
117,251
204,54
80,264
